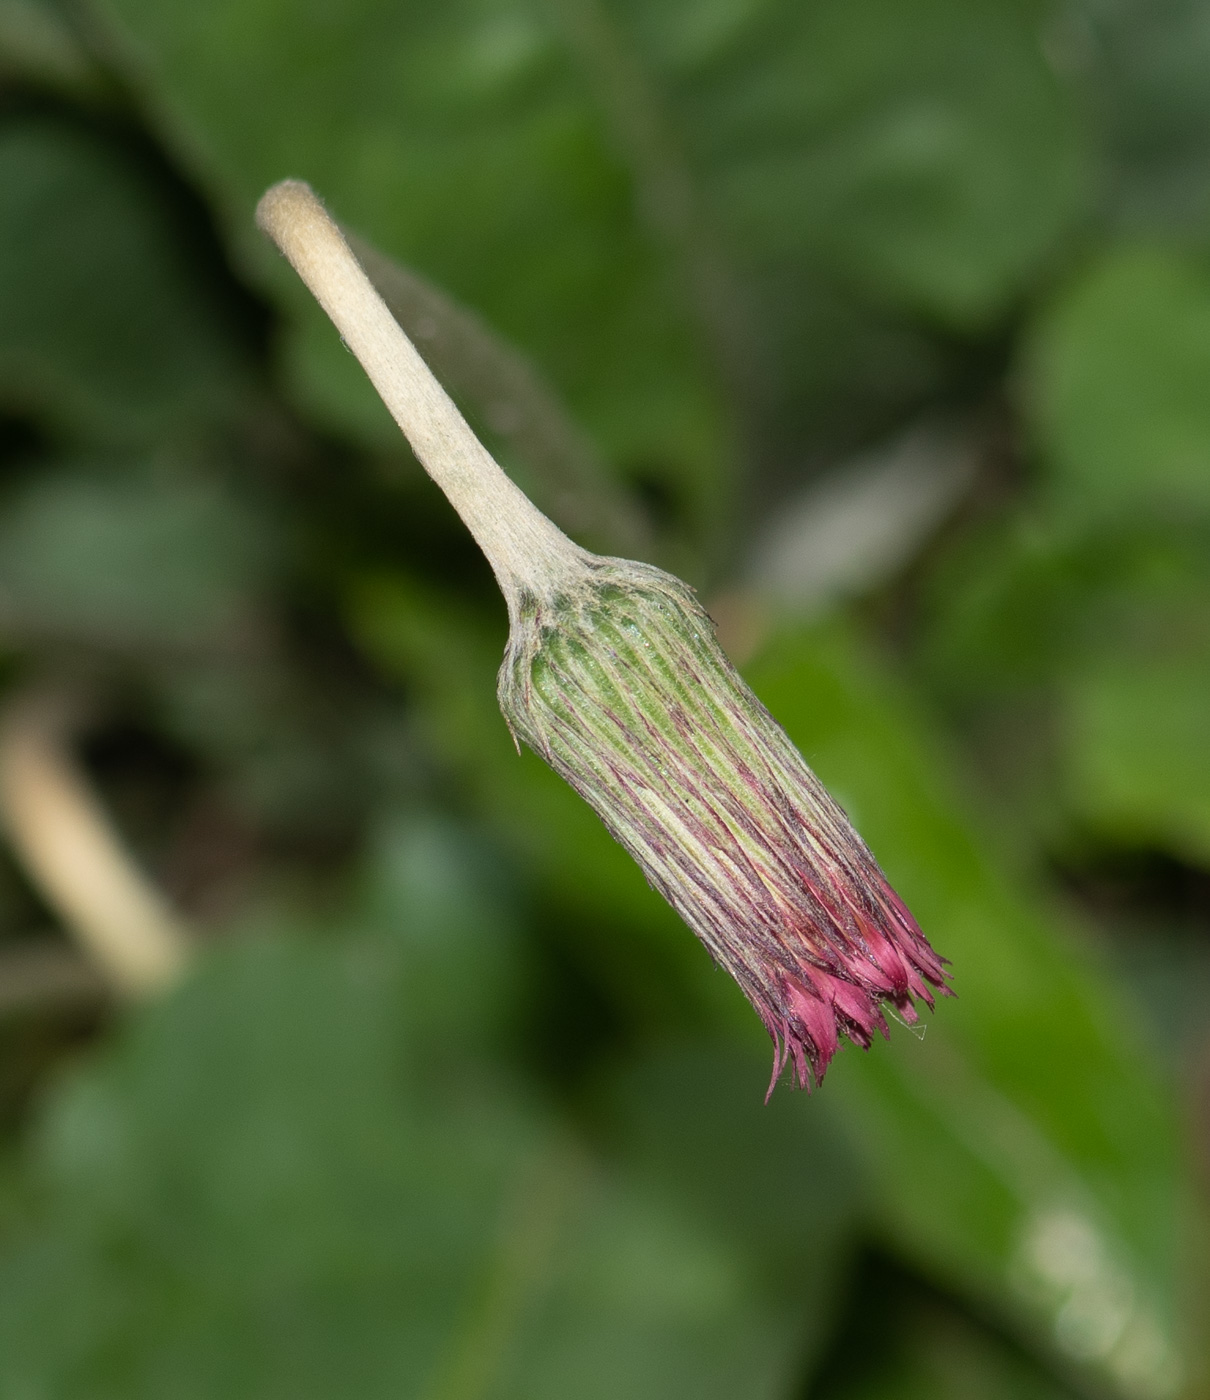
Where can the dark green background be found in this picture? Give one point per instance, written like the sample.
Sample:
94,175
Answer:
451,1106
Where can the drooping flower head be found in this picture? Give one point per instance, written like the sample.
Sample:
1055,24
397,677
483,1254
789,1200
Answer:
612,674
619,684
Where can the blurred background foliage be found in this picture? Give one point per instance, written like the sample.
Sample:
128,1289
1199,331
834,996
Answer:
887,324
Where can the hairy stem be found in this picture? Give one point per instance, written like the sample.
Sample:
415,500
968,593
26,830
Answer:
495,381
529,555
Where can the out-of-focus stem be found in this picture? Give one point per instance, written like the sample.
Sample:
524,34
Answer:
71,851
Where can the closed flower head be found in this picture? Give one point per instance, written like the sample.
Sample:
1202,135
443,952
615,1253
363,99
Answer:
619,684
612,675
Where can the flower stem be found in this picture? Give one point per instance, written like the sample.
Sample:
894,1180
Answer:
528,553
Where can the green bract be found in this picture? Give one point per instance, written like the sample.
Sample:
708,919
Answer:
620,685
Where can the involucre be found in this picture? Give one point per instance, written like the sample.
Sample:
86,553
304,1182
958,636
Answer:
619,684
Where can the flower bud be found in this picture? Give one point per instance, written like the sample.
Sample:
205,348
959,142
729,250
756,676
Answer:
612,674
619,684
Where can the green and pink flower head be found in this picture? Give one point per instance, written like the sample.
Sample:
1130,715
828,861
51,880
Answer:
612,674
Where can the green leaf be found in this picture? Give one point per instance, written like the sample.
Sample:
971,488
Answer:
1117,373
145,558
1137,750
650,1304
901,1340
1082,655
430,886
923,149
1027,1129
667,206
104,328
458,139
249,1199
1142,65
255,1193
39,46
687,1121
1118,370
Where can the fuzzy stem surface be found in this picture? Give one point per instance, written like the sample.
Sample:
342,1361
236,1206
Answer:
528,553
